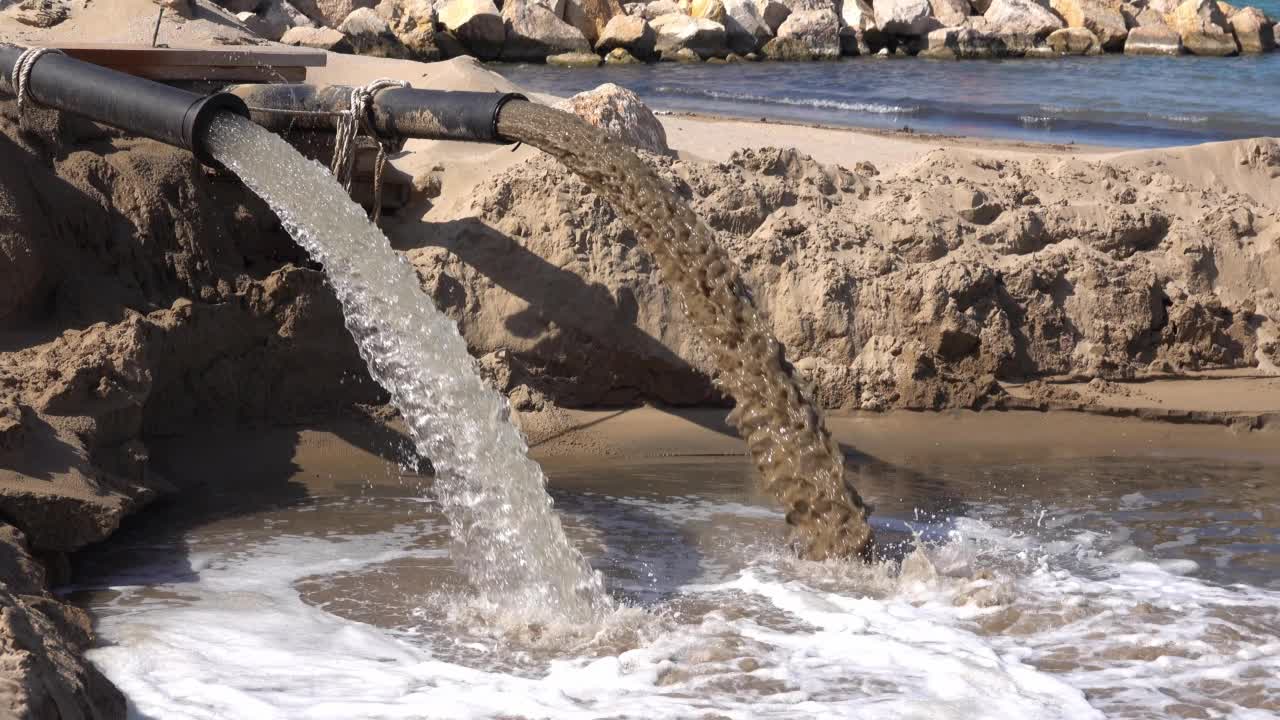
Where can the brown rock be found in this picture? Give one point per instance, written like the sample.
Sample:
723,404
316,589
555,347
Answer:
1074,41
318,38
1103,20
806,35
681,32
630,33
477,25
904,17
369,34
620,112
575,60
1153,40
330,13
712,10
534,33
1021,17
951,13
1203,28
962,43
40,13
1253,31
591,16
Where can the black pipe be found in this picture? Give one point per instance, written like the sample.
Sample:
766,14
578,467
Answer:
172,116
394,112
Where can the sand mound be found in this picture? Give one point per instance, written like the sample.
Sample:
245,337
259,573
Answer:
918,290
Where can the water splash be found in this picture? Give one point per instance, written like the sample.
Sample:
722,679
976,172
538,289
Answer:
508,539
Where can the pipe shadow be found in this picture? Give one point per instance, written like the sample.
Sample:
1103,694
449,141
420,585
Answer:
595,322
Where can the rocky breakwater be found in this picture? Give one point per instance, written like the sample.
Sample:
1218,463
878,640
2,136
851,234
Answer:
589,32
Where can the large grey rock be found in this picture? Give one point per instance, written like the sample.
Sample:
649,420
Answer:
534,33
1101,18
276,17
905,17
1253,31
1203,28
1021,17
575,60
330,13
1153,40
774,13
1074,41
965,43
658,8
677,32
369,34
806,35
858,14
621,114
317,38
744,26
950,13
630,33
476,23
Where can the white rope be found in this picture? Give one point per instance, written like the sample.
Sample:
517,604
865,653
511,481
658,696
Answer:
22,74
348,129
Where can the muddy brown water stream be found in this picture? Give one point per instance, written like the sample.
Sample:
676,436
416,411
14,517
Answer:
798,461
1139,584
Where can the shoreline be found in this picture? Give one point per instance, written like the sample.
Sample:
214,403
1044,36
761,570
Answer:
706,136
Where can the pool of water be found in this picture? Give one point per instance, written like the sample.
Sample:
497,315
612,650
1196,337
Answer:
1134,585
1112,100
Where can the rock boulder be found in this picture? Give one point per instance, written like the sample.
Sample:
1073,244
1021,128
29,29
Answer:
317,38
963,43
476,23
680,32
1203,28
330,13
774,13
1153,40
620,113
369,34
858,14
745,29
591,16
1021,17
1253,31
534,33
904,17
1102,19
1074,41
630,33
806,35
712,10
950,13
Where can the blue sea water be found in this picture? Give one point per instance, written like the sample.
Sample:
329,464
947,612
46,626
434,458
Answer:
1111,100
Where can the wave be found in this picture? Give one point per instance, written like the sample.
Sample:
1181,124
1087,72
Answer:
871,108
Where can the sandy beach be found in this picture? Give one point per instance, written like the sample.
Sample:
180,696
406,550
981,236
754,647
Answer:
1053,371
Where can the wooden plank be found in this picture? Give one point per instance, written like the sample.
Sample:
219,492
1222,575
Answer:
265,74
230,56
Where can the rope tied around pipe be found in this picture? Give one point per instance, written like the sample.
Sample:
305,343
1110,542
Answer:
20,83
348,131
